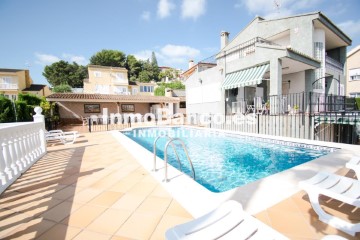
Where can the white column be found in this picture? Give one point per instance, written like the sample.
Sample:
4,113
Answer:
275,85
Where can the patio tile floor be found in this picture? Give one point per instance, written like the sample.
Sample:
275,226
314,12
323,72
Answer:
94,189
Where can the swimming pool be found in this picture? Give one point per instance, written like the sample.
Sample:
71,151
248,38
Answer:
223,161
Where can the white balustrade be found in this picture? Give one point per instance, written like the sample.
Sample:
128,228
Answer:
21,145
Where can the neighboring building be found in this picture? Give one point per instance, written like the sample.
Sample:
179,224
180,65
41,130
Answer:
15,81
107,80
74,107
181,106
114,80
302,53
142,88
353,73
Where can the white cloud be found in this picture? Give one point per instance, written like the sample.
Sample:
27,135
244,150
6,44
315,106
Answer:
164,8
193,8
351,28
145,15
176,51
170,54
143,55
74,58
45,59
268,9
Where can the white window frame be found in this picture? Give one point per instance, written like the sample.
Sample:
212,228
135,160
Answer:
135,91
97,74
354,74
120,90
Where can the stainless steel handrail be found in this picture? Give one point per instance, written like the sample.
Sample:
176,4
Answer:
186,152
154,151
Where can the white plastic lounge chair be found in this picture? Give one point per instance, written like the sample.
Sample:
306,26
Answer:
63,137
228,221
333,237
337,187
354,164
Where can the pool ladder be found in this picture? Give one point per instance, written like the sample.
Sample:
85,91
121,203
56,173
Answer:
171,142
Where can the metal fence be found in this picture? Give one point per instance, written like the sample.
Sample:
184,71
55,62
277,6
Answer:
294,103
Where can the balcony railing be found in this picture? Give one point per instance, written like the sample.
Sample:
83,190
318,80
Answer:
8,86
333,64
240,51
21,145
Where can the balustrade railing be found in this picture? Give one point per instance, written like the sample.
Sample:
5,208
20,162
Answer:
8,86
21,145
333,64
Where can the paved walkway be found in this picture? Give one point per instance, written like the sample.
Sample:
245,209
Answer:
94,189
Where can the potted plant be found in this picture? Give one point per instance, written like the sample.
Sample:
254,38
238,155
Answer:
296,108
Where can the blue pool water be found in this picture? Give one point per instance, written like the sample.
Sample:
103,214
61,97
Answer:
225,161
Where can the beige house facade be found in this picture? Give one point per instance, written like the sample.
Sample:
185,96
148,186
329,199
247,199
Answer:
74,107
15,81
114,80
353,73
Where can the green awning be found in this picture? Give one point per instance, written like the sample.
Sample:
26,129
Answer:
246,77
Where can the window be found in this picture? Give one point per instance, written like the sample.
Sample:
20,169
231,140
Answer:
182,104
354,74
97,73
103,89
120,90
127,108
91,108
134,91
8,83
120,76
355,94
146,88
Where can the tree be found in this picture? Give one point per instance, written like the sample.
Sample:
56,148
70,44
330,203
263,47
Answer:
111,58
134,67
160,90
170,73
63,88
144,76
155,68
62,72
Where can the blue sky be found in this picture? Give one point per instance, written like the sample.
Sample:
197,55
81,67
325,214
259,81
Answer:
35,33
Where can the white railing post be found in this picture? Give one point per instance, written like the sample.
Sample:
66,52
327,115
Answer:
38,117
21,145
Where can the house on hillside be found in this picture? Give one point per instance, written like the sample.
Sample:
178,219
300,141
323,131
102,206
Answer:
280,61
15,81
108,91
353,73
114,80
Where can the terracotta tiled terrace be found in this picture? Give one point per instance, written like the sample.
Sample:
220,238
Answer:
94,189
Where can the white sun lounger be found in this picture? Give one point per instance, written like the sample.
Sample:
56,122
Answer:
337,187
354,164
63,137
229,221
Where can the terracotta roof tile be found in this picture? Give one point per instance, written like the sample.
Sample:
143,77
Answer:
82,97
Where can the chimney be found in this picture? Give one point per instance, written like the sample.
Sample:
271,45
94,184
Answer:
224,36
191,63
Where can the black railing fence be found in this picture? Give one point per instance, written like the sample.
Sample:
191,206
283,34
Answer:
294,103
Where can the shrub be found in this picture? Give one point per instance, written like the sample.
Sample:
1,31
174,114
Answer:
23,113
29,99
357,103
7,113
159,91
62,88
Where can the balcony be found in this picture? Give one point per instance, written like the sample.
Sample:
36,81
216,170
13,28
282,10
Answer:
9,86
332,64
